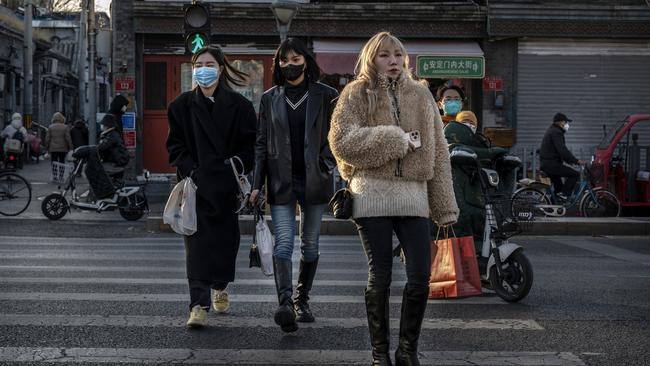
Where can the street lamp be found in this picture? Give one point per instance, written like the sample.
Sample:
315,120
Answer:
284,11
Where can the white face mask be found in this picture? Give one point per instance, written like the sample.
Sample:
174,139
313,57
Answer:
102,128
565,127
124,109
17,124
471,127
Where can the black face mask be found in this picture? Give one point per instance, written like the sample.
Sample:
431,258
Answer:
292,72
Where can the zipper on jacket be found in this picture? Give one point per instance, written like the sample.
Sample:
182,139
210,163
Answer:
392,92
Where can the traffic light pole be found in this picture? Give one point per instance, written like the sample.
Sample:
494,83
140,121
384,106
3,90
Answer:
81,67
92,92
28,68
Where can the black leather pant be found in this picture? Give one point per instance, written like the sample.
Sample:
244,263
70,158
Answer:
377,238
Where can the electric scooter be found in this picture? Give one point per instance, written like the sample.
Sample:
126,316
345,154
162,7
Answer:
502,264
130,199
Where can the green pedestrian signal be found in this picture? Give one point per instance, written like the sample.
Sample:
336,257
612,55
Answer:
196,41
196,26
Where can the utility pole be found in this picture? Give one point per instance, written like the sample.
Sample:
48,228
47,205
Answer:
81,67
92,92
28,63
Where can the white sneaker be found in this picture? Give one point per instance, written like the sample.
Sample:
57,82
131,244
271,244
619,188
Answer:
220,302
198,317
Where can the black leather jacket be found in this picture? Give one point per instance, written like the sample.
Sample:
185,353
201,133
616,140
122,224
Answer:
273,146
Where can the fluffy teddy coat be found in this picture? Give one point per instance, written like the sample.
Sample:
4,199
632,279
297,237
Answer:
375,152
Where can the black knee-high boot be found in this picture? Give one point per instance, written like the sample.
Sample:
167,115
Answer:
414,304
301,301
285,317
377,310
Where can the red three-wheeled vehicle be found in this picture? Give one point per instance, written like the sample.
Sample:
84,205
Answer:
622,161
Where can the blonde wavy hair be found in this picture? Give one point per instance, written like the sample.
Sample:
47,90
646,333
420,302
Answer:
366,70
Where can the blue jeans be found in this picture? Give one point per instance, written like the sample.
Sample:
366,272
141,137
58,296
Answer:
284,222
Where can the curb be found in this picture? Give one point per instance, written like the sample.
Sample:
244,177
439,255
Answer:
153,225
329,226
544,227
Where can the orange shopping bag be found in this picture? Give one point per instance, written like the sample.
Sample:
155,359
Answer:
454,269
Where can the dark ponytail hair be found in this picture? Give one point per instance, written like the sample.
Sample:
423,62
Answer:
312,71
232,75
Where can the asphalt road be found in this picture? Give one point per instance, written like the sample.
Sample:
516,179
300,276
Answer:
124,301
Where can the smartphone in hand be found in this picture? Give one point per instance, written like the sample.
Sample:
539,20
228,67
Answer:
414,137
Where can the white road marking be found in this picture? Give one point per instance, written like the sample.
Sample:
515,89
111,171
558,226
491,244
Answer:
607,250
167,281
155,269
249,322
265,356
122,297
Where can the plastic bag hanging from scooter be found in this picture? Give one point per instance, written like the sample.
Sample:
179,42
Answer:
242,182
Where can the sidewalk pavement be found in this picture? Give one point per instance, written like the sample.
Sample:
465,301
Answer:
89,222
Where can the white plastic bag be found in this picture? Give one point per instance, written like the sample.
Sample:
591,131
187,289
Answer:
180,210
264,241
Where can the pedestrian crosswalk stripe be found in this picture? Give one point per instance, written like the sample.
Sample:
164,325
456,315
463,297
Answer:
608,250
153,256
249,322
155,251
268,356
121,297
8,240
148,245
168,281
157,269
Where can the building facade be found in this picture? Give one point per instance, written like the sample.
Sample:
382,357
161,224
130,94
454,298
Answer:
519,61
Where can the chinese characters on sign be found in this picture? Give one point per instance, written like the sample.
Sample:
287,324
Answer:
124,83
493,83
129,139
450,67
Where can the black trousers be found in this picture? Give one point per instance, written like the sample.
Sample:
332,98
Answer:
58,156
200,292
558,171
377,238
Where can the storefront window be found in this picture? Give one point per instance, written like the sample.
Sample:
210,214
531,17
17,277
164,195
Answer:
186,77
155,85
255,87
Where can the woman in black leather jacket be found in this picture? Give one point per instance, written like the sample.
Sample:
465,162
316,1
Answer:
293,158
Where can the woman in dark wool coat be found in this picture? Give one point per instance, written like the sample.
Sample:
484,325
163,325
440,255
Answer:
207,126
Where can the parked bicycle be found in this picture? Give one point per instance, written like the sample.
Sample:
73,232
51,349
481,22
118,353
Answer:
15,193
540,198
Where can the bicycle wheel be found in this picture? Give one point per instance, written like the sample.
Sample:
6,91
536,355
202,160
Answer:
15,194
602,203
524,202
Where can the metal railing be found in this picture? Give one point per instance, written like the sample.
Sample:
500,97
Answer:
529,155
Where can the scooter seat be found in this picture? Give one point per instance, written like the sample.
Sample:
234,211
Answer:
533,183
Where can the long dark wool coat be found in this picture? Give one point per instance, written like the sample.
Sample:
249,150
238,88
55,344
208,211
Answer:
201,141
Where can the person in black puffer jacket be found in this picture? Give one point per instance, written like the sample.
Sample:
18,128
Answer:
111,147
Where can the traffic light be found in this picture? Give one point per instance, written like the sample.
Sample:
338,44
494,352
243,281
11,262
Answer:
197,26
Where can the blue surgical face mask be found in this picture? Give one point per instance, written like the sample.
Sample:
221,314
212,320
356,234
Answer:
451,107
205,76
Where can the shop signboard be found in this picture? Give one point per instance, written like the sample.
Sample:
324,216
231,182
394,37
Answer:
450,67
492,83
129,139
124,83
128,121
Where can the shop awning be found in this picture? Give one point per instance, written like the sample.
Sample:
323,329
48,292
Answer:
340,56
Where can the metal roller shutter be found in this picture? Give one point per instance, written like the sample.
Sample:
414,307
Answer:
594,83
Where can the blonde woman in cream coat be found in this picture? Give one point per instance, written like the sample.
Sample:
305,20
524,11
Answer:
398,184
